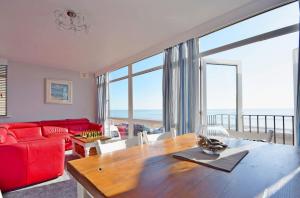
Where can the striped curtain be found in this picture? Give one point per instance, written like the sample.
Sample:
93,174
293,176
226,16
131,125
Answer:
298,99
101,99
181,88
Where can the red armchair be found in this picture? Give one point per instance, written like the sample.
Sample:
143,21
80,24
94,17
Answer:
28,158
34,152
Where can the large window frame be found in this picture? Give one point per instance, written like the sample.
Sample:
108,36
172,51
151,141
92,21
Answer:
258,38
201,55
130,120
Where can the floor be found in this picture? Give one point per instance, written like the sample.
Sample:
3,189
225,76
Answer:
61,187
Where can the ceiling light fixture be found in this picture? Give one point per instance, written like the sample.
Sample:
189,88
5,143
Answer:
70,20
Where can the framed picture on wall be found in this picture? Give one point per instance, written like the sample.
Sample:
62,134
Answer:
59,91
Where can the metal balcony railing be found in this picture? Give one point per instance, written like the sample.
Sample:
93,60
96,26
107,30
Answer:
282,125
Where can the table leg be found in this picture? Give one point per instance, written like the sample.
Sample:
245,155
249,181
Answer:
86,151
81,192
73,148
0,194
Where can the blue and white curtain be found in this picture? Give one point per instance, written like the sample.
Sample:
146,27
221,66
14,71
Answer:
298,98
101,99
181,88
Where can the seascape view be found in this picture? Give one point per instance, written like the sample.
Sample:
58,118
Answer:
156,115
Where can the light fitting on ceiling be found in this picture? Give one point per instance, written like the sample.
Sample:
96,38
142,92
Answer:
70,20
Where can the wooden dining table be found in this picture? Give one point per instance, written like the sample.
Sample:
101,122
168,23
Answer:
152,171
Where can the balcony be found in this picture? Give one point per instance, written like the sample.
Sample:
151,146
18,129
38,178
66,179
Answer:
256,127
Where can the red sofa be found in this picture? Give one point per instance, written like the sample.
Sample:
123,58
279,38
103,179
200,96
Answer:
65,128
33,152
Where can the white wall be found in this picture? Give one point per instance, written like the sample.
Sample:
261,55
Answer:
26,94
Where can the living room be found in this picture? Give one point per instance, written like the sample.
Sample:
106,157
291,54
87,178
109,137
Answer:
139,98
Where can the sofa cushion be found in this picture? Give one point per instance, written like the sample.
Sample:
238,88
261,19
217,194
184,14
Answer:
2,138
33,132
78,127
49,130
65,137
20,125
30,139
78,121
3,135
10,139
58,123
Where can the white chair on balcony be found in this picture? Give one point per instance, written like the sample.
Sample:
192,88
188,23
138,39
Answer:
118,144
114,133
150,138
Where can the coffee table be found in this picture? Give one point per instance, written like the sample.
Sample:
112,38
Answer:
82,146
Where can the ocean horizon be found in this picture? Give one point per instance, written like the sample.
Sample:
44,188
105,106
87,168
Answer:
156,114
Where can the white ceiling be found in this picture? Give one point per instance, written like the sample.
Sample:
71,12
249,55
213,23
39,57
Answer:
118,29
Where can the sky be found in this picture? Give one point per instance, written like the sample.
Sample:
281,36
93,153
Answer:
267,68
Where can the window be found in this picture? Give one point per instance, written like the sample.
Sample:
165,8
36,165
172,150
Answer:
118,99
118,73
269,21
269,67
266,63
136,99
148,63
147,96
3,90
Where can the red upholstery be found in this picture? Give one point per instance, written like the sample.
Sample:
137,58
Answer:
3,135
65,128
76,126
26,163
50,130
33,152
33,132
122,131
58,123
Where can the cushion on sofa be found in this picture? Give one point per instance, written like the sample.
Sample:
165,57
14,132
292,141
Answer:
78,121
2,138
30,139
3,135
49,130
65,137
33,132
58,123
10,139
20,125
79,127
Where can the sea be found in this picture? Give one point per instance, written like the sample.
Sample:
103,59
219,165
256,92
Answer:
156,114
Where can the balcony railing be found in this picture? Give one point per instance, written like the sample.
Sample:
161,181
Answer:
281,125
